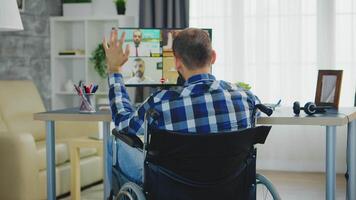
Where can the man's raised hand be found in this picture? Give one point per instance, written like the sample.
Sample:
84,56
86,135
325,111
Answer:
115,55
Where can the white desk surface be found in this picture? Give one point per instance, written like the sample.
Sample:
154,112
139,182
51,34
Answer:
73,114
285,116
281,116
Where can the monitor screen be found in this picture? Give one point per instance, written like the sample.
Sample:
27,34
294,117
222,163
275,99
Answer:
151,60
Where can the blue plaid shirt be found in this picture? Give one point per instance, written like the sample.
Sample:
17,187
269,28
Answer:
203,105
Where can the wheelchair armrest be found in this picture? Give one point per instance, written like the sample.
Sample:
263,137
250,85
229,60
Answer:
129,139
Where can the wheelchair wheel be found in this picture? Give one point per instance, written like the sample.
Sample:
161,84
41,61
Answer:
265,188
130,191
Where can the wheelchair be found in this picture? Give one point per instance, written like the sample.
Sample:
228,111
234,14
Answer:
196,166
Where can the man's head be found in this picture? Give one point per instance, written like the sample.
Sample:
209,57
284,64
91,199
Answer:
137,37
193,52
139,68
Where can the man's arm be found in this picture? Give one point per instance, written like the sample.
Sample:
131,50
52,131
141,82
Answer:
123,114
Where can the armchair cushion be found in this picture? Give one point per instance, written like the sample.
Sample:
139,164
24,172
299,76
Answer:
61,152
18,101
19,167
67,129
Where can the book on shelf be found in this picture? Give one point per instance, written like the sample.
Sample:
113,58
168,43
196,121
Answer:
71,52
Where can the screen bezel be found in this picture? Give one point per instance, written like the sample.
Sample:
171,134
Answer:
210,30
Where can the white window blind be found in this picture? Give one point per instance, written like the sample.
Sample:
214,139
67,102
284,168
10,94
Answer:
272,45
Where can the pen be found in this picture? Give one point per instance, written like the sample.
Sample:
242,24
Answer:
78,89
85,100
83,89
94,88
87,89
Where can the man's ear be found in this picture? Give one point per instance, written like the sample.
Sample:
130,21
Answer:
178,63
213,56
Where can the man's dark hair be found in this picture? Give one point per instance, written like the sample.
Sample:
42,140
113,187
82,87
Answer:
193,47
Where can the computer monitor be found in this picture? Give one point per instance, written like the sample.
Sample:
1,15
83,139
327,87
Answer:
151,59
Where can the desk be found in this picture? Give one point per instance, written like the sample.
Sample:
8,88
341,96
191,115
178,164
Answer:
282,116
72,114
285,116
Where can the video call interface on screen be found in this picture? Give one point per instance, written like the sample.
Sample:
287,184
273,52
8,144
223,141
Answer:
151,60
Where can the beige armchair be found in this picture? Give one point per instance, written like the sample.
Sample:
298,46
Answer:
23,147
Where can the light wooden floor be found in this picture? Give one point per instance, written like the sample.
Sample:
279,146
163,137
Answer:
290,185
306,186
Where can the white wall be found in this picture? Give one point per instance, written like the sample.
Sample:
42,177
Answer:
132,8
107,7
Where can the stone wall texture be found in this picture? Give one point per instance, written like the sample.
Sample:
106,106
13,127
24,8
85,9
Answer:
25,55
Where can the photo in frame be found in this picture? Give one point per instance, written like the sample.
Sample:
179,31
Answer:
21,5
328,88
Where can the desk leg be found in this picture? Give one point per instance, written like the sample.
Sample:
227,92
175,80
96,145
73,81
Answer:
106,158
330,162
351,160
50,155
74,172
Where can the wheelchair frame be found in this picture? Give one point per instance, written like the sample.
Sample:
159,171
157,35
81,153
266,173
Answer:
128,188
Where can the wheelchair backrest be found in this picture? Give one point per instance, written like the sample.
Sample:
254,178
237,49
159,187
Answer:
204,157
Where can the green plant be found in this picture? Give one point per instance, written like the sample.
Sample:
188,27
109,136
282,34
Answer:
98,59
243,85
120,6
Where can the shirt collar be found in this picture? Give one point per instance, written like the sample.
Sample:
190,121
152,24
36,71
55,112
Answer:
198,78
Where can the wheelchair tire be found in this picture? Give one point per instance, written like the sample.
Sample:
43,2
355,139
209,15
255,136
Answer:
130,191
265,188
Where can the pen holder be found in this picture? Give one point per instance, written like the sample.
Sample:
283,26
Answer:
87,103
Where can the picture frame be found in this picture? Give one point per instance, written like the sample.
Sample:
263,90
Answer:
21,5
328,88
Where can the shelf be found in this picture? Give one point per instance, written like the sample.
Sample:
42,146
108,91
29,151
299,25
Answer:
79,33
66,93
71,56
93,18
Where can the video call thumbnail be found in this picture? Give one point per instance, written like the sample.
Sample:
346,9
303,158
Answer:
142,70
151,60
170,74
142,42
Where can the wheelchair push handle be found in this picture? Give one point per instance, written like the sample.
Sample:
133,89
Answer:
266,110
151,113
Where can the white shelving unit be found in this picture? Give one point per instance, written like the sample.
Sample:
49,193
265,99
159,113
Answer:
69,33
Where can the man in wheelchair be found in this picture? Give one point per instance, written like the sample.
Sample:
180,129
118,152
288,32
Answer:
202,105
